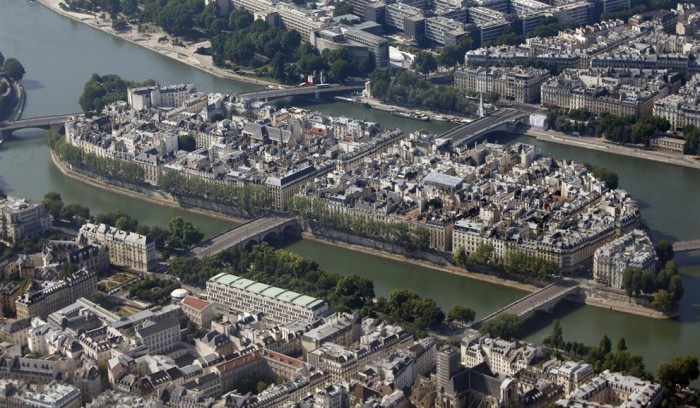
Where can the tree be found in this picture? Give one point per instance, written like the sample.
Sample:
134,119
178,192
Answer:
632,281
129,7
342,8
425,63
675,287
662,300
187,143
278,71
692,140
664,251
605,344
621,344
483,255
183,234
460,256
556,338
340,70
2,59
53,203
13,69
462,314
76,214
678,373
3,194
450,55
506,326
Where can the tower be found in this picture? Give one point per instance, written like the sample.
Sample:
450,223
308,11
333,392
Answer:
447,366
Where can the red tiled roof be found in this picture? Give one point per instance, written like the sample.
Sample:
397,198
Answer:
196,303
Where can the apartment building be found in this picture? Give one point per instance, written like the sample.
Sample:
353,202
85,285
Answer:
283,188
56,295
634,250
520,84
125,248
198,310
171,96
231,292
682,109
16,394
21,219
159,336
618,91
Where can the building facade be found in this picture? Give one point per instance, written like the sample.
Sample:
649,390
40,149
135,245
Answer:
234,293
519,84
21,219
125,248
56,296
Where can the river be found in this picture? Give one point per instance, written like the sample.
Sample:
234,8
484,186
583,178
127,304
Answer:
60,55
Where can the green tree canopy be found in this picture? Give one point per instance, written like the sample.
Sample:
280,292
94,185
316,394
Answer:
13,69
183,234
53,203
425,62
678,373
506,326
342,8
187,143
462,314
460,256
664,251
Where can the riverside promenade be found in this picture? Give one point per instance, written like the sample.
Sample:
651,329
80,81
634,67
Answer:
184,54
601,145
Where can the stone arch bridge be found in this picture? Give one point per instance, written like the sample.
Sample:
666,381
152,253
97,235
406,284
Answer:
56,122
250,233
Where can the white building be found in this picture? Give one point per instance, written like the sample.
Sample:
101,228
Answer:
125,248
234,293
20,219
634,249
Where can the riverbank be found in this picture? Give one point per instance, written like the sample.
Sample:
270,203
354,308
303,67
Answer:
608,304
154,197
183,54
425,264
15,92
601,145
629,308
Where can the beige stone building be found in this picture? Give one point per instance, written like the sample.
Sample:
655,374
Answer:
519,84
56,295
21,219
127,249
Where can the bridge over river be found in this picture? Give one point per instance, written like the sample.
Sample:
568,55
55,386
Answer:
685,246
544,299
248,234
503,119
42,122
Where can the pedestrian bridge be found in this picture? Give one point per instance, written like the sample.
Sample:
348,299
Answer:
505,119
42,122
248,234
544,299
685,246
307,90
